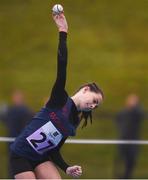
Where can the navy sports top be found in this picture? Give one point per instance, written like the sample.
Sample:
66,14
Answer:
50,127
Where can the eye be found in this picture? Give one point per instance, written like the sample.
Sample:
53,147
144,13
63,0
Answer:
95,101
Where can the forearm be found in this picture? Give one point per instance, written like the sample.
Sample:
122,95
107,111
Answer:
62,48
62,62
58,160
61,23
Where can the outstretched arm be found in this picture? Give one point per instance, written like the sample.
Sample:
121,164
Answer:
58,94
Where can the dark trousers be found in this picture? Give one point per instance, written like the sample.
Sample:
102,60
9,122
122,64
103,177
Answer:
10,175
125,161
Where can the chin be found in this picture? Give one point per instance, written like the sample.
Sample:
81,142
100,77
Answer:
86,110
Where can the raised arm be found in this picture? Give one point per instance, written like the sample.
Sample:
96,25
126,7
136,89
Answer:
58,94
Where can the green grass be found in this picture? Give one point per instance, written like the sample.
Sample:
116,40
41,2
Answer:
107,43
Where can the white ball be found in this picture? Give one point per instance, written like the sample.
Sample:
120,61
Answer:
57,9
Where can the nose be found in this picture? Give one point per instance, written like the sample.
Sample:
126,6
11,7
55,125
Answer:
93,106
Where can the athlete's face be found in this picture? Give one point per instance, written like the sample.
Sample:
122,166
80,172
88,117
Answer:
89,100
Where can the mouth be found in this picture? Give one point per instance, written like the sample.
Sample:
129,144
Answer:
87,108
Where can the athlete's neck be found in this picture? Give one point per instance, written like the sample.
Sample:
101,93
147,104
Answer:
75,99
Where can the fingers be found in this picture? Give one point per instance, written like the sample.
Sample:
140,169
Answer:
74,171
58,16
78,171
78,168
76,174
61,22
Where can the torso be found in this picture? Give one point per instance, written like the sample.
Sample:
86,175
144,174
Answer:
48,128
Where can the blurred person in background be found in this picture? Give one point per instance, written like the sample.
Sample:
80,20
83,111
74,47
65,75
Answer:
15,117
128,124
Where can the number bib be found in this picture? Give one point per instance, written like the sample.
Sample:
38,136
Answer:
45,138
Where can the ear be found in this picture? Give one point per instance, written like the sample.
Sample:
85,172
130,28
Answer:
85,89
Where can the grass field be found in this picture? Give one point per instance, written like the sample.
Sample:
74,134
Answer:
107,43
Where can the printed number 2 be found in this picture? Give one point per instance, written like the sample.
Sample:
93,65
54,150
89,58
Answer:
36,142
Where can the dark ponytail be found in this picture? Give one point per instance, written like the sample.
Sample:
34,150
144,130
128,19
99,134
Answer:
88,114
85,116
